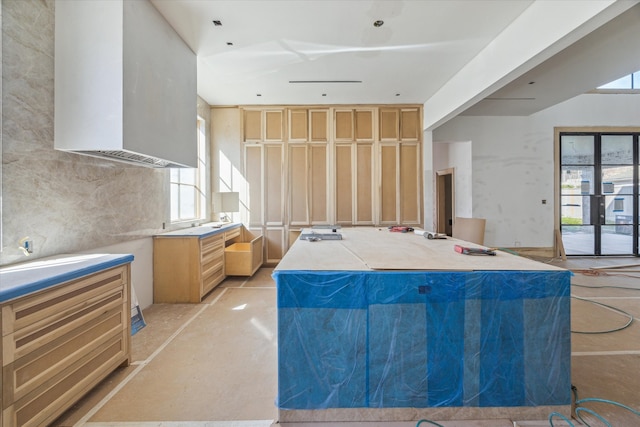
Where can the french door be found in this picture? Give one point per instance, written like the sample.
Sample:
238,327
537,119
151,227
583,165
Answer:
599,193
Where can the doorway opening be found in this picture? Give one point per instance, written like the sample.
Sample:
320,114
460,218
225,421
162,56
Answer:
445,196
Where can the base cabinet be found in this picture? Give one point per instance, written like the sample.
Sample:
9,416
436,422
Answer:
60,342
186,268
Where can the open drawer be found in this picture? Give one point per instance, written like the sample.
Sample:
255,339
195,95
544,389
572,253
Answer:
243,258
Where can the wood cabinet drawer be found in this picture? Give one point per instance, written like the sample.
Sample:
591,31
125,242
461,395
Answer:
210,245
212,276
232,234
40,319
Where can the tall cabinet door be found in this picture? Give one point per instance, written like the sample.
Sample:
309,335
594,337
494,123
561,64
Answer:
318,174
254,178
400,185
298,186
410,188
389,167
344,163
364,185
308,166
274,190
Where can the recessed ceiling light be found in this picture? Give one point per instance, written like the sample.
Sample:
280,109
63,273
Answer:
531,83
229,43
378,23
397,94
324,94
217,23
258,94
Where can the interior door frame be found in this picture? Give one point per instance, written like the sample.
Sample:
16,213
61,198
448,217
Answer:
441,176
556,168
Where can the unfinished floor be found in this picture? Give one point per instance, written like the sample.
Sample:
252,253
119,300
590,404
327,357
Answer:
214,363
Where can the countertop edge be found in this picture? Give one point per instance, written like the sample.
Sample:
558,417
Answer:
27,287
200,232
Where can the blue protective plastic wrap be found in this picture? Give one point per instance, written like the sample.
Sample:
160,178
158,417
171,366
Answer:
371,339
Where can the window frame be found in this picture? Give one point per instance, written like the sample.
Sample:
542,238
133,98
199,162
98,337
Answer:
199,183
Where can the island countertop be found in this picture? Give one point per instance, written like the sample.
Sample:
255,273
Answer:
375,248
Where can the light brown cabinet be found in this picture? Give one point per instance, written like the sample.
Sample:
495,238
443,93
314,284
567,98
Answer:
348,165
308,183
264,171
354,177
308,125
353,124
400,124
60,342
186,268
263,125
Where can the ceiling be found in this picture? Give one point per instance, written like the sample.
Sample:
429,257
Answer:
606,54
330,52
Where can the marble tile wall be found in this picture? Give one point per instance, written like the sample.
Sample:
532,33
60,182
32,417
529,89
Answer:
64,202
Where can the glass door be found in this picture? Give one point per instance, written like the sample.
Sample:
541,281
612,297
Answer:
599,193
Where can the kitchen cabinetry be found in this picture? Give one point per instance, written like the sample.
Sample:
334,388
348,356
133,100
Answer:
189,263
348,165
263,125
63,338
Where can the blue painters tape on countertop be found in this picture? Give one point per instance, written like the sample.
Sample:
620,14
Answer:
25,278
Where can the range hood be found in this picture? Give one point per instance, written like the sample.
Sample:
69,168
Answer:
125,84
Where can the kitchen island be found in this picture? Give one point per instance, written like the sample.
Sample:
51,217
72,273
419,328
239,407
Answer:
383,326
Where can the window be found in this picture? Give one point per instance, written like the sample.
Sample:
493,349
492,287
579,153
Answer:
188,201
630,81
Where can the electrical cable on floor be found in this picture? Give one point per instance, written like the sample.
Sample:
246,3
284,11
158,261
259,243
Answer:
622,312
430,422
579,409
612,272
605,286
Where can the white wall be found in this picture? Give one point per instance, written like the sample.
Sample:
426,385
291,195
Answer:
513,163
429,181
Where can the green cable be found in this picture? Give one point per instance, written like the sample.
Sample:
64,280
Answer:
605,286
580,409
617,310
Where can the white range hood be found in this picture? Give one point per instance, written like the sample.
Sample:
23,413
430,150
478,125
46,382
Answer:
125,84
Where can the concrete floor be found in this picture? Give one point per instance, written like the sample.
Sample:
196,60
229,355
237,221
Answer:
214,363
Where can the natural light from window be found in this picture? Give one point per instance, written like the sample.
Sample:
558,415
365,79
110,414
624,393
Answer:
631,81
188,185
